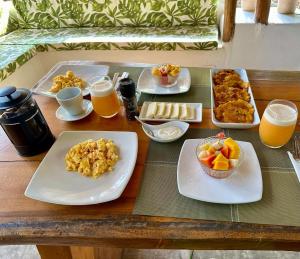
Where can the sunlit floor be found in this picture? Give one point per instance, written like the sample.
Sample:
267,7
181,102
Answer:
30,252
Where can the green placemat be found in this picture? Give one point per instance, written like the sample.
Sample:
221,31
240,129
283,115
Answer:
159,194
198,93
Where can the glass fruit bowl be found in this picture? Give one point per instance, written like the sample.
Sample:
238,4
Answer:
166,81
219,174
166,75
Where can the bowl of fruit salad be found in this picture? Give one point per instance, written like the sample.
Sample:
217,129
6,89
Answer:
219,158
166,75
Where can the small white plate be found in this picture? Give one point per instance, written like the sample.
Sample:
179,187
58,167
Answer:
63,115
86,72
243,74
180,124
243,186
196,106
147,84
52,183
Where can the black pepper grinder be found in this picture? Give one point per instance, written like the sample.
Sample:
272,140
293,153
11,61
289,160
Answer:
128,89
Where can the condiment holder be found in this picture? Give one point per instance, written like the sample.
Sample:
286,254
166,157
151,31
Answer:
166,132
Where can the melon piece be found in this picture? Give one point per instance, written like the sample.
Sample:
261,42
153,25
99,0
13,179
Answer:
221,165
211,150
234,162
220,157
205,146
217,145
234,148
208,161
225,151
203,154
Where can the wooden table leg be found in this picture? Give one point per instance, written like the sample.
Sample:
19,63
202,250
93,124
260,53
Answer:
51,252
107,253
81,252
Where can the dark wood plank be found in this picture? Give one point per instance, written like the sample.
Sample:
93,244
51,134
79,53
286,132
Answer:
152,232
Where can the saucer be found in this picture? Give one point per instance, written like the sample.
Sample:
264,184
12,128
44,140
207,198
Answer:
63,115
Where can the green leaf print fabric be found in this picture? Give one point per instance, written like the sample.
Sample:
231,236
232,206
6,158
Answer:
110,13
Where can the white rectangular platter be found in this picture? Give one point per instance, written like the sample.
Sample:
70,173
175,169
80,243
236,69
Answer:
54,184
196,106
87,72
243,186
243,74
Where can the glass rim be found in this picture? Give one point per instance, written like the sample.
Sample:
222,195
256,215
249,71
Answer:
287,102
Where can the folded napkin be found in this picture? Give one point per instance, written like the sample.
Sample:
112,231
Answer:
296,165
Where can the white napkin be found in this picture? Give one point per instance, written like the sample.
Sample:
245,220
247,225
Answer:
296,165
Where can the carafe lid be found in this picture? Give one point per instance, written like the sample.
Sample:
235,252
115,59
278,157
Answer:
11,97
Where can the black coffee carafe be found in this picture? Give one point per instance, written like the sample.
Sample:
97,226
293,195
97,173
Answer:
23,121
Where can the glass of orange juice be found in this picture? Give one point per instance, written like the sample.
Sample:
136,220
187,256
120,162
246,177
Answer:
278,123
104,98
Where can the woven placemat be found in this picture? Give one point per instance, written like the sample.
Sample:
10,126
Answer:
159,194
198,93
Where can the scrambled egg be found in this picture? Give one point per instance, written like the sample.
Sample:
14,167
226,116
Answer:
92,158
69,80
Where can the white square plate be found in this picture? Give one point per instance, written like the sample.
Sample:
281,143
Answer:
86,72
243,186
147,84
196,106
52,183
243,74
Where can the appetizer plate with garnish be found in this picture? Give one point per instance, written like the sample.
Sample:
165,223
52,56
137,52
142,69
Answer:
167,111
226,172
149,82
77,74
232,101
85,167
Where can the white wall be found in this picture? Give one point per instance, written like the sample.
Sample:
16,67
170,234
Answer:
275,46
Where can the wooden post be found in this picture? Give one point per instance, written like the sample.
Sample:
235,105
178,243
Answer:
262,11
229,19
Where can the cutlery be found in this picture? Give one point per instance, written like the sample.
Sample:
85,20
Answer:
125,75
146,126
296,148
115,80
295,156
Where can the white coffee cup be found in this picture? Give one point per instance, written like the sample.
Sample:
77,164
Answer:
71,100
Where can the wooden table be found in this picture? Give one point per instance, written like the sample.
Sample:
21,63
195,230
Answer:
26,221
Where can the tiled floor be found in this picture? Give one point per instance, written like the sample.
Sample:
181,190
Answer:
30,252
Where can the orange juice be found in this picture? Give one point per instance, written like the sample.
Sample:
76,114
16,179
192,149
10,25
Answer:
278,123
104,99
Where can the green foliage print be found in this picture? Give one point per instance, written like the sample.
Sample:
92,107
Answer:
108,13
